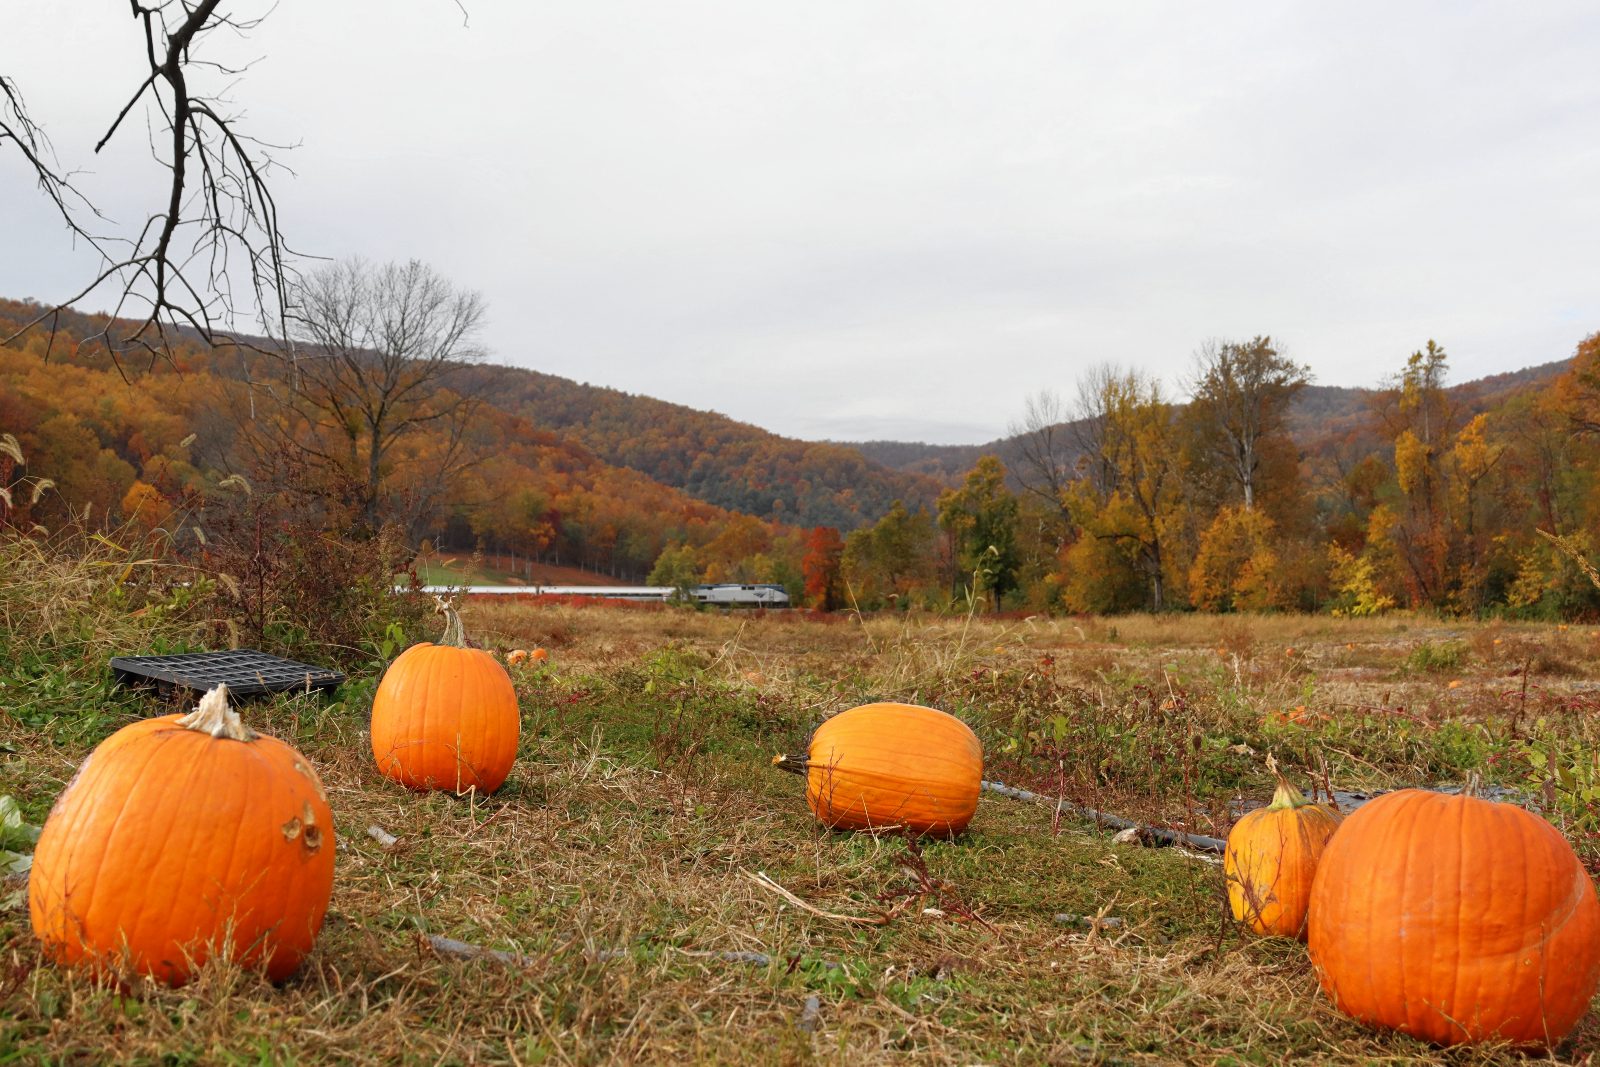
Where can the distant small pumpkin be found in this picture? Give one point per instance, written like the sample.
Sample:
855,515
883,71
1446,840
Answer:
1298,716
885,765
516,656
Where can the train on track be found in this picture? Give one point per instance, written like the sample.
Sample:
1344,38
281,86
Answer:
730,594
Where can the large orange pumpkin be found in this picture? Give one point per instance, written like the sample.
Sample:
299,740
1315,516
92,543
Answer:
182,838
1271,860
1455,919
445,715
886,765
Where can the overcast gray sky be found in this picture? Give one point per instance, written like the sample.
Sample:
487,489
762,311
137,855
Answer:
871,219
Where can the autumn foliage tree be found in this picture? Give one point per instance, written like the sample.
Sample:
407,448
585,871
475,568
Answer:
824,555
1129,498
885,562
980,520
1242,392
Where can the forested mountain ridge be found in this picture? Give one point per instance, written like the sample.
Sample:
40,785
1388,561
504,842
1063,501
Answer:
152,441
1318,413
1417,493
729,464
1321,411
717,459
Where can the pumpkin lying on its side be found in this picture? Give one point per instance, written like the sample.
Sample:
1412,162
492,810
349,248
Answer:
885,765
182,838
1272,857
445,715
1455,919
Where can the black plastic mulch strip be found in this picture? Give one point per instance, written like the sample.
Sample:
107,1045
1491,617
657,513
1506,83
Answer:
244,671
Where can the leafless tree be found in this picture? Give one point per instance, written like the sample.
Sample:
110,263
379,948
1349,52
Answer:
176,271
1091,431
1044,448
374,368
1241,394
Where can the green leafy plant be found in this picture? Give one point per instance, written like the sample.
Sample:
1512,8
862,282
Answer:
1431,657
17,839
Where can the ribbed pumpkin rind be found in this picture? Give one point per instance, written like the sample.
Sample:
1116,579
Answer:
1270,863
882,765
1455,920
445,718
170,844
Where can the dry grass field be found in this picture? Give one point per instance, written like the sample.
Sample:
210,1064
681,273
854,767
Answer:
615,864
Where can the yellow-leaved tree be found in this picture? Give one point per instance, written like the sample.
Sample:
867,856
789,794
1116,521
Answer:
1130,489
1236,568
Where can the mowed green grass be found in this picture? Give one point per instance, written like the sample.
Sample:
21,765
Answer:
615,864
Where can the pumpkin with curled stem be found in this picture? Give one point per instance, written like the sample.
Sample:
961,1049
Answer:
183,838
1271,860
1455,920
445,715
881,766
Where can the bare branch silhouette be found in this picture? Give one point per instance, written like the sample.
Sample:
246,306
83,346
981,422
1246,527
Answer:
174,275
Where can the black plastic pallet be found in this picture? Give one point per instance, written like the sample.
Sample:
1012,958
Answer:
244,671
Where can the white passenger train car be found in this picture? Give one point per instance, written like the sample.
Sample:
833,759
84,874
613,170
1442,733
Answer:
771,596
726,593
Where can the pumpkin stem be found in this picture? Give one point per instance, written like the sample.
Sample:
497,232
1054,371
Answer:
216,718
793,764
1287,796
454,635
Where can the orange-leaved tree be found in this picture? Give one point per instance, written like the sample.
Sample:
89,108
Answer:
824,551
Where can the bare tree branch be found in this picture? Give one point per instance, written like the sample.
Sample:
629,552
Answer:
217,189
1045,445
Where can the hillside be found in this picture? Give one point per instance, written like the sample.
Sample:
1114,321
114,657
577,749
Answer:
628,447
1319,413
138,444
1323,411
716,459
707,457
945,464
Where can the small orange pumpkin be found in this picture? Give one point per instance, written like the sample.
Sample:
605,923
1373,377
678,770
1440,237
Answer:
1455,919
1297,717
516,656
539,654
1271,860
445,715
884,765
184,837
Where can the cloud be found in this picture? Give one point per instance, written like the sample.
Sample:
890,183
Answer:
895,219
